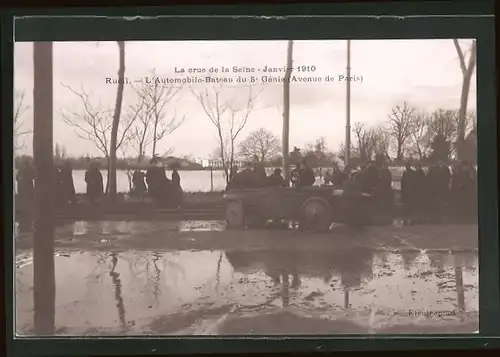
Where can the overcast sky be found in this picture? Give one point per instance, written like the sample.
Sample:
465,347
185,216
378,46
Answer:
426,73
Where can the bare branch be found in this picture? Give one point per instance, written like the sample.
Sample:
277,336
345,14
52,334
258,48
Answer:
401,127
260,146
93,123
228,118
20,108
420,136
156,97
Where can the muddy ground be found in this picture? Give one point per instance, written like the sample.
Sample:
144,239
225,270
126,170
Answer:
196,277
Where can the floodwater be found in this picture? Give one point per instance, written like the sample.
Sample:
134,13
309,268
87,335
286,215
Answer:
323,288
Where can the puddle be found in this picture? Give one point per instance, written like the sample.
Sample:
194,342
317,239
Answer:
116,228
225,292
201,226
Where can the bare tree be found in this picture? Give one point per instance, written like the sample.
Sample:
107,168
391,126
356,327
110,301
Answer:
20,108
140,137
381,140
401,127
153,124
228,120
366,143
444,122
260,146
94,123
421,137
116,121
318,154
341,153
467,71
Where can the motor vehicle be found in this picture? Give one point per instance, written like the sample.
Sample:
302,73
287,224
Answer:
312,208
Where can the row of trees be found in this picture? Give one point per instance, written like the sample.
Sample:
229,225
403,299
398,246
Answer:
413,134
407,134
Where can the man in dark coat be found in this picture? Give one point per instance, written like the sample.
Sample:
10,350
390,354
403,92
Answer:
444,182
176,178
421,191
369,177
384,191
408,193
95,187
158,183
67,183
138,180
233,172
176,186
276,179
306,175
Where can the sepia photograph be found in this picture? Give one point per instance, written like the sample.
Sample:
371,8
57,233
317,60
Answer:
284,187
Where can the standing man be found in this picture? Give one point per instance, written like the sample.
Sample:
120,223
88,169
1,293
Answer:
408,194
306,175
95,187
67,184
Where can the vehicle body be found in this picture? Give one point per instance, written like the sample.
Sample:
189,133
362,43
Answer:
314,208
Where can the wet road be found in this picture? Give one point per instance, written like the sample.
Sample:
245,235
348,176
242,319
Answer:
116,278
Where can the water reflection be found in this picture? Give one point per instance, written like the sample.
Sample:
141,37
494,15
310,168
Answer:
194,292
110,230
115,277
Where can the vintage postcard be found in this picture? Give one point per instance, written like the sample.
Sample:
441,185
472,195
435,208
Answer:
247,187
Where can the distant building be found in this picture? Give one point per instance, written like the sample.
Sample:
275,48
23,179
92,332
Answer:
217,164
181,163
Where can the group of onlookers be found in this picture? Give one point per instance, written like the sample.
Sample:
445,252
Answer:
255,176
423,192
154,182
428,192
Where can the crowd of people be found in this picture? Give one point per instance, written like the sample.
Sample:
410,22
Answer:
423,192
153,183
427,193
156,183
254,176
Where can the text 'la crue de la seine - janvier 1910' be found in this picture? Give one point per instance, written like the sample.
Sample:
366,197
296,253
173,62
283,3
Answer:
242,74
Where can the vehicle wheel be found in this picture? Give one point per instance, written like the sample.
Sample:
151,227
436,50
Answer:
235,214
316,216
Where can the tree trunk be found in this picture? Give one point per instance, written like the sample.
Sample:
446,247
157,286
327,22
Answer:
153,152
44,290
464,98
116,122
286,112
